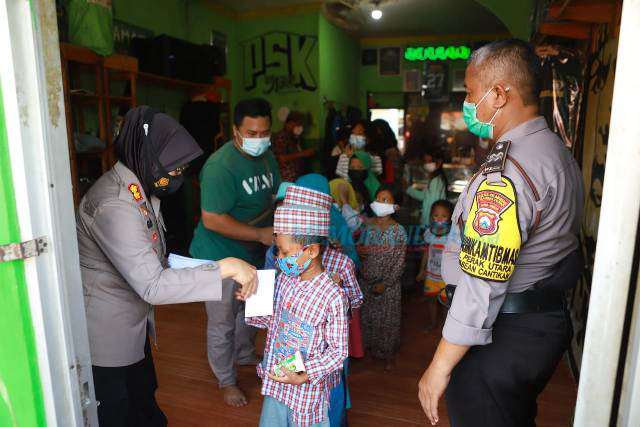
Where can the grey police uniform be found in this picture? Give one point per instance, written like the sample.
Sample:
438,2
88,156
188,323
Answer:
514,352
124,272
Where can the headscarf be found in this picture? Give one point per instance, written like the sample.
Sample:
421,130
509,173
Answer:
371,183
338,229
171,146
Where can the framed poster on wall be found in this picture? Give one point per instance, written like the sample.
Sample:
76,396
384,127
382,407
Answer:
389,61
435,82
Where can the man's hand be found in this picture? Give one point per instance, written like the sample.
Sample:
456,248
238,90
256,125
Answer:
431,387
294,378
241,272
265,236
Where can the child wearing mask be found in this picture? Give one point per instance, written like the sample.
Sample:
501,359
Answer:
434,189
382,247
357,143
430,268
309,317
364,186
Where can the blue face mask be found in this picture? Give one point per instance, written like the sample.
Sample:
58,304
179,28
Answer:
357,141
475,126
256,146
289,265
440,228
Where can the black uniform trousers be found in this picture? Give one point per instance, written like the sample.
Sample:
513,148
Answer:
497,385
127,394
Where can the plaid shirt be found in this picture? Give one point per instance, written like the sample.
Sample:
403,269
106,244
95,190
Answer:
309,316
335,262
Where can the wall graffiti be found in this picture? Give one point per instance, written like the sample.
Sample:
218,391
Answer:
279,62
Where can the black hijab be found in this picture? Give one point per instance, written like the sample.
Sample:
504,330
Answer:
150,157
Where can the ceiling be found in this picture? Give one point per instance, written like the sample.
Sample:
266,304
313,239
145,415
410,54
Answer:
400,17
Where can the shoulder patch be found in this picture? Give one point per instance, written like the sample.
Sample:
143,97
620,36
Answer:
491,240
497,157
135,191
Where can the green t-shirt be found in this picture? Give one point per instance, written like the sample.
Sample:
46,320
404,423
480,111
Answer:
243,187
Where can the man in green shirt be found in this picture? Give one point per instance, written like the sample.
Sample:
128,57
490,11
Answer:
238,183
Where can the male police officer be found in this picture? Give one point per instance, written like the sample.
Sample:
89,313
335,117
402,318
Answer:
518,221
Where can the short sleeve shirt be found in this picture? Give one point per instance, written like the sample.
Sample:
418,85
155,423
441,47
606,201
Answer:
235,184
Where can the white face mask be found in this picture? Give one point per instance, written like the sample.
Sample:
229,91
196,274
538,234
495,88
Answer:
430,167
357,141
297,131
382,209
256,146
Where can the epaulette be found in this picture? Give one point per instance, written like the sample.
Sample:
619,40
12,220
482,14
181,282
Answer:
494,164
497,157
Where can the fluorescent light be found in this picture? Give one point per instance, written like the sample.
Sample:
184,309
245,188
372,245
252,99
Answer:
376,14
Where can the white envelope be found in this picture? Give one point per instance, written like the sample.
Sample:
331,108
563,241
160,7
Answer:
261,303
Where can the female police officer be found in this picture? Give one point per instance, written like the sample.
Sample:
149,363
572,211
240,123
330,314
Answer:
124,273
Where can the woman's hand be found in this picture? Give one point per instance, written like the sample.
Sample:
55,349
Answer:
343,192
241,272
294,378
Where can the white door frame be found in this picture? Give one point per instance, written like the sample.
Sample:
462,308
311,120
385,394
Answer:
31,80
615,248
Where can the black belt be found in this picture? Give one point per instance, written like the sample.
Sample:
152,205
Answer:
529,301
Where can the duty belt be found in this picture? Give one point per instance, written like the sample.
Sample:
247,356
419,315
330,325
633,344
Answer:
529,301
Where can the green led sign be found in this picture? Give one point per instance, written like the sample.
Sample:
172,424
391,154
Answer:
437,53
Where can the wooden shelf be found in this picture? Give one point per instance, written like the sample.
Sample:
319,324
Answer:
173,83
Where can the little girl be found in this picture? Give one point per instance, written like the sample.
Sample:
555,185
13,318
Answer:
436,186
382,249
430,268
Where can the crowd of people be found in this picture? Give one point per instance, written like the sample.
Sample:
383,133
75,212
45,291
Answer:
339,253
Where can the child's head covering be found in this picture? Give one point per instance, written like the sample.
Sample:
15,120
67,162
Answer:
305,212
297,195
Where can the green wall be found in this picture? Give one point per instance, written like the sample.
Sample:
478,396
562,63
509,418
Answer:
515,15
273,33
339,57
21,402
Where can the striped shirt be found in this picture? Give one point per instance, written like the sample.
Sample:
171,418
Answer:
310,317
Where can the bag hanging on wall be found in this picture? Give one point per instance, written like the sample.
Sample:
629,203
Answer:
91,25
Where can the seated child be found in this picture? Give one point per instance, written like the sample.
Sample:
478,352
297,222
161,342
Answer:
430,268
310,317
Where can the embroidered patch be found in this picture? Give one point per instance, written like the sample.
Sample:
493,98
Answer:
135,191
491,241
162,182
491,204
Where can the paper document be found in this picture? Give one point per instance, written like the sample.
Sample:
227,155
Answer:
261,303
178,261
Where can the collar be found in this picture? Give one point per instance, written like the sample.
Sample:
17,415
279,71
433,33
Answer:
524,129
129,179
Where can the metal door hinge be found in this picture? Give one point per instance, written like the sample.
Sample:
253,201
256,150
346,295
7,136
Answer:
24,250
